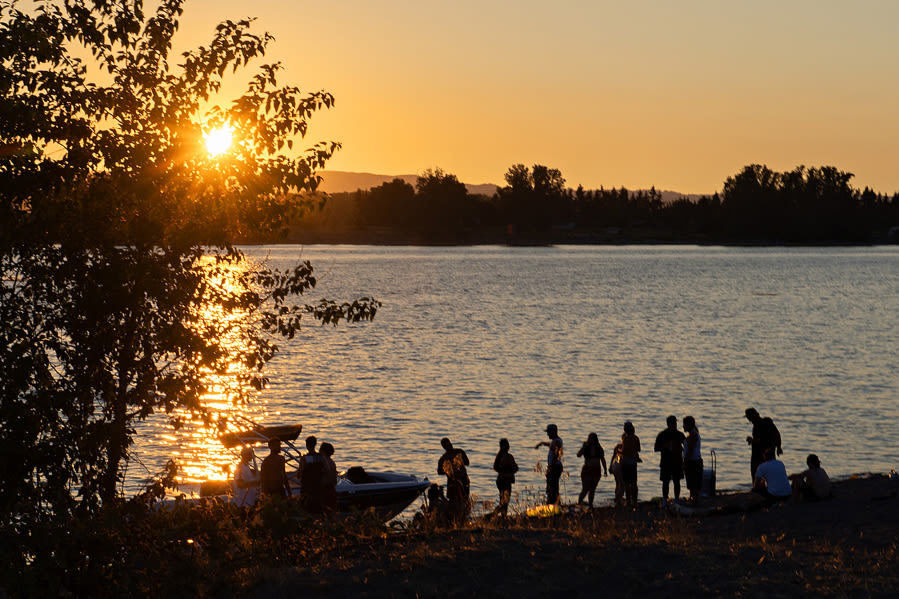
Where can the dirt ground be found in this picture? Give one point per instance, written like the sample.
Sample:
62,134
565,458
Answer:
842,547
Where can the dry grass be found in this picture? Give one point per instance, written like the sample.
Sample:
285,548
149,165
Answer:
842,548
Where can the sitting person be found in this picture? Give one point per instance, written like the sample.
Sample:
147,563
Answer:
812,484
358,476
436,510
771,481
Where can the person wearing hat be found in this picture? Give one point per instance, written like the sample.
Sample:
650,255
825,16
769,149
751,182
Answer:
246,479
553,463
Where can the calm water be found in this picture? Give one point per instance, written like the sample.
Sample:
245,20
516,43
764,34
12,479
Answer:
488,342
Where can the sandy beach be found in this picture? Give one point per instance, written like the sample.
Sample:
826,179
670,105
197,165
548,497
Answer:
842,547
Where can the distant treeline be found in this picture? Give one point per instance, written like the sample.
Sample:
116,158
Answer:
757,205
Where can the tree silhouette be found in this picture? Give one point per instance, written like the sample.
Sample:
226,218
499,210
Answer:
390,204
532,199
443,201
115,239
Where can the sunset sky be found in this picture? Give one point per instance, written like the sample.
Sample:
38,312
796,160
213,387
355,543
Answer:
676,95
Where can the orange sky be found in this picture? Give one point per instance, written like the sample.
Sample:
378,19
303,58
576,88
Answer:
676,95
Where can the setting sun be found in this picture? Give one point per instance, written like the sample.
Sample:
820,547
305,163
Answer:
218,140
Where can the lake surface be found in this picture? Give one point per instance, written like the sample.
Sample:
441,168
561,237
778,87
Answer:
479,343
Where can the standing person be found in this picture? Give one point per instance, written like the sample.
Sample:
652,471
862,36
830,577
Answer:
630,456
615,469
329,479
273,473
310,473
771,480
764,435
670,447
692,458
593,468
246,479
505,467
453,464
553,463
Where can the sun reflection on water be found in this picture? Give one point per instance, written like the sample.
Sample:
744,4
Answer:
231,400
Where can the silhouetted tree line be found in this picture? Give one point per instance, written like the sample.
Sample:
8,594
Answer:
805,205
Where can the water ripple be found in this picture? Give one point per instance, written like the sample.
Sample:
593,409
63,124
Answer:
489,342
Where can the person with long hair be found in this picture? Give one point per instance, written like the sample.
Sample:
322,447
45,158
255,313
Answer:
505,467
593,468
692,458
615,469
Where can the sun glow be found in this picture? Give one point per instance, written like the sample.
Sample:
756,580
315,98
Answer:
219,139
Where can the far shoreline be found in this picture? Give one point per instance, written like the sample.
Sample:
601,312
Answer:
387,237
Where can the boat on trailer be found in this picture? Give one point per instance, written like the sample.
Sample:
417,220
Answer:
358,489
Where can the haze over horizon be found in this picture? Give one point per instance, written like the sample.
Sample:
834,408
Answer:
678,96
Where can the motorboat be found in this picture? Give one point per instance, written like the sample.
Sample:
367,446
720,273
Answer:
387,493
358,490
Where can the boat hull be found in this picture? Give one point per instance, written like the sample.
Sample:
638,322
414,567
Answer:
387,493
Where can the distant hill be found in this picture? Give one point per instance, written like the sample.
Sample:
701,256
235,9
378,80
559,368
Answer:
344,181
670,196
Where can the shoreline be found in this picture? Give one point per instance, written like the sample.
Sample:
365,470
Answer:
844,546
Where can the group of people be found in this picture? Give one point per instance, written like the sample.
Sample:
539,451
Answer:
625,457
769,475
316,472
680,457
